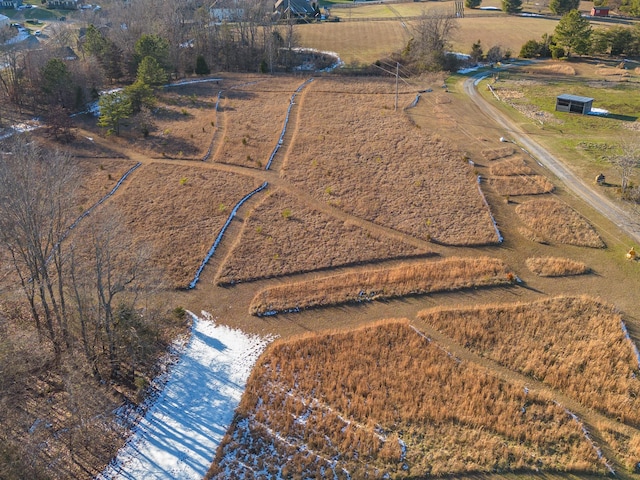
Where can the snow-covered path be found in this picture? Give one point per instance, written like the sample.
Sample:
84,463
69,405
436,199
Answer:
180,432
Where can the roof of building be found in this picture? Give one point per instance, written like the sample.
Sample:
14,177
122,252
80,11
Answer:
575,98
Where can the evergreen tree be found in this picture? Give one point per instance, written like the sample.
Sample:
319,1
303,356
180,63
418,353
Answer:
150,72
512,6
573,32
560,7
201,66
114,108
472,3
476,51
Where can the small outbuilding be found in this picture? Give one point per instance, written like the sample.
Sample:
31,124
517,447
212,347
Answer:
600,12
573,104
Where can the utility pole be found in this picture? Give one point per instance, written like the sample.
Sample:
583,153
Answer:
397,70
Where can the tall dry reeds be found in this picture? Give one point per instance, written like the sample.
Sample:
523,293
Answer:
555,266
416,278
555,221
574,344
386,401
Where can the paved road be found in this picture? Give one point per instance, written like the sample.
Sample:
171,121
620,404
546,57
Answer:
626,221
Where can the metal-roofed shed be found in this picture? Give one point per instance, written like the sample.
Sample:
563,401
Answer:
573,104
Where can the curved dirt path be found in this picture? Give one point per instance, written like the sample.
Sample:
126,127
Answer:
626,221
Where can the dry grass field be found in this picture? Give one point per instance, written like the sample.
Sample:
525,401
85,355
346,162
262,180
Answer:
401,408
367,41
575,344
518,185
415,181
283,236
511,166
252,117
515,185
178,211
411,279
542,217
97,178
555,266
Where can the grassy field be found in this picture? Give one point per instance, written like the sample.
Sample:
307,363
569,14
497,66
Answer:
367,41
382,284
403,407
555,267
574,344
584,141
252,117
178,211
282,236
541,216
398,160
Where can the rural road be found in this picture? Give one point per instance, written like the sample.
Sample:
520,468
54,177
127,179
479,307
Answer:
626,221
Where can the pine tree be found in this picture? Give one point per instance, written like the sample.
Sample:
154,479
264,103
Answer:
201,66
511,6
574,33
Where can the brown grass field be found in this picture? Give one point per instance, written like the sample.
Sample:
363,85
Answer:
402,166
411,279
360,188
514,185
367,41
252,117
541,216
511,166
97,178
574,344
401,408
555,267
283,236
497,153
178,211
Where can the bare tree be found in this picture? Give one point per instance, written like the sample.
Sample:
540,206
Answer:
108,270
431,38
35,210
627,162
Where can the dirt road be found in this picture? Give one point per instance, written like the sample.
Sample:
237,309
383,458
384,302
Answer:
626,221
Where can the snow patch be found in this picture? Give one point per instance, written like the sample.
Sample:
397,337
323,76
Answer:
180,432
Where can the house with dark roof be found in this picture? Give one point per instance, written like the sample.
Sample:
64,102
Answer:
294,9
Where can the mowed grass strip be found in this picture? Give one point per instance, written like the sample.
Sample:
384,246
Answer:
283,236
555,221
515,185
416,278
252,117
386,402
178,211
574,344
353,151
555,266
